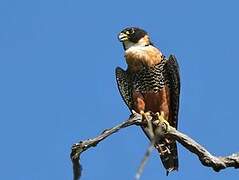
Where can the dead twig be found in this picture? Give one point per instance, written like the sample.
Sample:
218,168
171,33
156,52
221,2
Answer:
82,146
144,161
206,158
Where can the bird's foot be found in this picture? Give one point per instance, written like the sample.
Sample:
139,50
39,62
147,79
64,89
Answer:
145,115
161,120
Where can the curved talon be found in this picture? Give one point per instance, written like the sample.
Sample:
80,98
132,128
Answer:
166,124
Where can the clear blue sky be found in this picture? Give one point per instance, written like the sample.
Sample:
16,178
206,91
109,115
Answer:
57,84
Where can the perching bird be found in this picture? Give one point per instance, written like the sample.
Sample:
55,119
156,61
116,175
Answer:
151,83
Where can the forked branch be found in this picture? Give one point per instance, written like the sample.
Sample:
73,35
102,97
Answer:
207,159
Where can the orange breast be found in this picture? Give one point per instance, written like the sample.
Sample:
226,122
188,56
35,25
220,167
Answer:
154,102
137,57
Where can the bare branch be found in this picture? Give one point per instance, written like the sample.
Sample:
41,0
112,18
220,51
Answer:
207,159
82,146
144,161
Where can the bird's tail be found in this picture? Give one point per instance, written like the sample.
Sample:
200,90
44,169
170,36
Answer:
168,154
167,149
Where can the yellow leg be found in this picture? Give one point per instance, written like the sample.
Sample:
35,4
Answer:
161,119
145,114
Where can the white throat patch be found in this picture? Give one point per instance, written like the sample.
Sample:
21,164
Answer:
128,44
142,42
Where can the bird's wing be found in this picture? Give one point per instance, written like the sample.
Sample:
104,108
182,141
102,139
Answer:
170,159
124,86
172,70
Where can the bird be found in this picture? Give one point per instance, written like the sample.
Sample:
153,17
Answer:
150,85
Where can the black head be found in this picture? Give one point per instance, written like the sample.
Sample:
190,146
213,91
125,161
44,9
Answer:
132,36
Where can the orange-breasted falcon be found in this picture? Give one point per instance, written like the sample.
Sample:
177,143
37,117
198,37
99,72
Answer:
151,83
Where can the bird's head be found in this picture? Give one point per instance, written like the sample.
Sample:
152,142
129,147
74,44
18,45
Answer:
133,36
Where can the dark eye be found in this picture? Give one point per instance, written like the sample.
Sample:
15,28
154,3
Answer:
131,31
